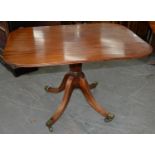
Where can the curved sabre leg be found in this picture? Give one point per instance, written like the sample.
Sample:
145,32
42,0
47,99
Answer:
61,108
60,88
91,100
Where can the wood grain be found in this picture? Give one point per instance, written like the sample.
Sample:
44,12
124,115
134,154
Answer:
71,44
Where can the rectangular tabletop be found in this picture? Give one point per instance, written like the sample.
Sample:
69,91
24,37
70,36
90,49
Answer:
71,44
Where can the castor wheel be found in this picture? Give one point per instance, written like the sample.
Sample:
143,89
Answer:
49,125
93,85
109,117
50,129
46,88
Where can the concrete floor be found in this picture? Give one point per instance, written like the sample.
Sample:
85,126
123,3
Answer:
126,88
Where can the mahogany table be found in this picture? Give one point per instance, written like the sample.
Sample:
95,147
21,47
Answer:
73,45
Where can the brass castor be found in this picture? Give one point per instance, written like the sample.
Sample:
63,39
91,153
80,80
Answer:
93,85
46,88
109,117
51,129
49,125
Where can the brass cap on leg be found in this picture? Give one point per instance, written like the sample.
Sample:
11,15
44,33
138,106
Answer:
109,117
49,125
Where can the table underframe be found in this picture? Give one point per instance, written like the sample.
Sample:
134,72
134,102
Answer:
75,79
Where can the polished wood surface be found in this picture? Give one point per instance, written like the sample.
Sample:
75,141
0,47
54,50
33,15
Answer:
71,44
